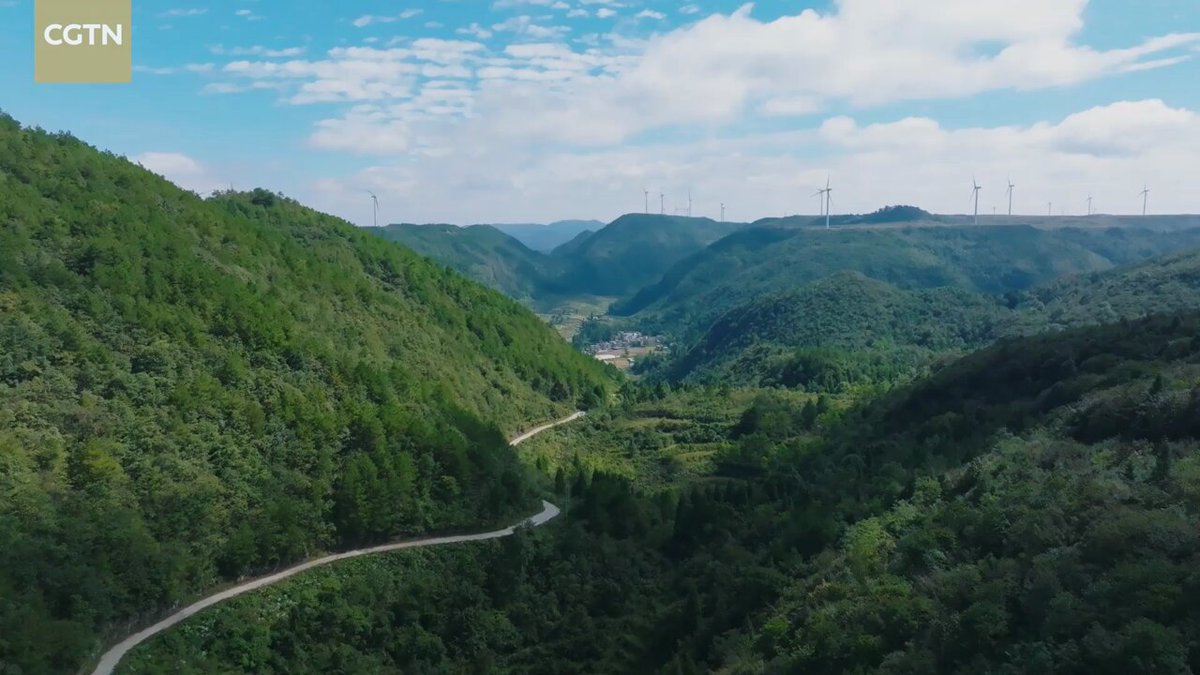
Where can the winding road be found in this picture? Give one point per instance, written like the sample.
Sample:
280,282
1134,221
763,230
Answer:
110,659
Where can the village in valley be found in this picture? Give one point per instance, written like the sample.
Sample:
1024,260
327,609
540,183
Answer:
625,347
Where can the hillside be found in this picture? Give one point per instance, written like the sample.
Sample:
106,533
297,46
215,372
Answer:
833,331
849,328
989,260
619,258
635,250
481,252
546,238
1034,507
192,391
1162,285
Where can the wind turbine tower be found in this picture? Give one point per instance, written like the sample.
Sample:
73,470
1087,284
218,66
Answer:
662,204
827,199
1010,195
1089,203
1145,199
689,211
375,204
722,212
646,194
975,194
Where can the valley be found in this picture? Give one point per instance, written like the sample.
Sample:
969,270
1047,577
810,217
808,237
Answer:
894,446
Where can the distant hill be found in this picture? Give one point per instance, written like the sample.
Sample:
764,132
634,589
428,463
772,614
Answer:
848,327
842,314
481,252
621,257
887,215
635,250
761,261
1160,286
546,238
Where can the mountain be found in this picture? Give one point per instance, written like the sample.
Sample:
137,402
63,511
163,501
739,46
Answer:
888,215
760,261
622,256
192,391
481,252
1033,507
1158,286
635,250
836,331
849,328
546,238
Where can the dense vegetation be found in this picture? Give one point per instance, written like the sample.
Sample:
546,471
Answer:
194,390
848,329
809,337
1030,508
990,260
546,238
635,250
482,253
625,255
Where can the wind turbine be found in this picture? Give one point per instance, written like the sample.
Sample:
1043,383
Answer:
1050,208
1145,199
1010,194
827,193
689,202
722,212
1089,203
662,204
375,203
975,194
646,194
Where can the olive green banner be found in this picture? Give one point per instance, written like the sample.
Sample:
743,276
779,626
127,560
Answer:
82,41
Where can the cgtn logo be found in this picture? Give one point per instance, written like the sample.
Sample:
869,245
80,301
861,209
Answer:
76,34
82,41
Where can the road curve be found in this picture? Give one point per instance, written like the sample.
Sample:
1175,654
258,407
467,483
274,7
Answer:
110,659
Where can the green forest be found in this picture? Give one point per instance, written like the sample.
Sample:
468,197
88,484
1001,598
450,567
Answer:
196,390
898,450
1031,508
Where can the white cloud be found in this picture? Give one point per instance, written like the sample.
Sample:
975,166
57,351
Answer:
909,161
475,30
650,14
368,19
180,169
182,12
531,110
527,27
257,50
605,12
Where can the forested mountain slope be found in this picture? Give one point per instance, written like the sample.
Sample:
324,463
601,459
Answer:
810,337
482,253
1162,285
193,390
991,260
1034,507
546,238
619,258
848,328
635,250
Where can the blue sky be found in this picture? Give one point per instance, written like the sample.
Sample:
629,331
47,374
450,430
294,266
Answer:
533,110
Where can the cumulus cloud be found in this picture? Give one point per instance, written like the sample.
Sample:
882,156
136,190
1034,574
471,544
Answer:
523,94
1108,151
180,169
